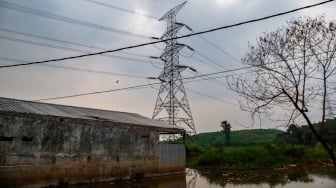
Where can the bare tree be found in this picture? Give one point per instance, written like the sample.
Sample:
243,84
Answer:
291,69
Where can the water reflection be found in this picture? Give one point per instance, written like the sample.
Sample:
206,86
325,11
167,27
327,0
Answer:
294,178
163,182
298,178
191,177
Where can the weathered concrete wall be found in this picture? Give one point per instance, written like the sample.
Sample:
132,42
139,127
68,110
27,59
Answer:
47,150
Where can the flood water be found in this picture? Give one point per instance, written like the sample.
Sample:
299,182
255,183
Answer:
259,179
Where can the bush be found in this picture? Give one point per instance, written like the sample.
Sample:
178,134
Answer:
317,153
194,149
238,157
269,155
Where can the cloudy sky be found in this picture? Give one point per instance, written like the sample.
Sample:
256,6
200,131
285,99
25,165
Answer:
34,30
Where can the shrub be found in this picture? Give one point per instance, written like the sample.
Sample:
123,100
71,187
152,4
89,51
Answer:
193,148
269,155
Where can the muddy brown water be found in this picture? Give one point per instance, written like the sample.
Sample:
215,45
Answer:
297,178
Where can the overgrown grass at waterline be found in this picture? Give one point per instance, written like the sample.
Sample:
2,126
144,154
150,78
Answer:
269,155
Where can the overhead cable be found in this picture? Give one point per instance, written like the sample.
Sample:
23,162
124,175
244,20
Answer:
209,96
131,87
210,60
220,49
74,49
121,9
152,17
185,80
36,12
160,41
62,41
78,69
204,62
204,95
96,92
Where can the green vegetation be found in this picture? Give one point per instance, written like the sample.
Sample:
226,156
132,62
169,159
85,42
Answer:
227,131
237,138
254,149
253,157
303,135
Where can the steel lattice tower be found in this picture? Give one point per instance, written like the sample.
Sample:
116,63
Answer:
172,104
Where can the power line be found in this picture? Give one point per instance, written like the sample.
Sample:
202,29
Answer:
96,92
217,82
63,41
202,55
72,49
205,57
152,17
128,88
210,60
247,67
220,49
121,9
189,79
48,38
134,87
204,62
78,69
150,85
160,41
219,72
209,96
217,47
67,19
204,95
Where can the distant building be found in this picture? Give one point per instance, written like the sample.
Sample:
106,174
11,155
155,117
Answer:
47,144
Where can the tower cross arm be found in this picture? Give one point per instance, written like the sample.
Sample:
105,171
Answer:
173,11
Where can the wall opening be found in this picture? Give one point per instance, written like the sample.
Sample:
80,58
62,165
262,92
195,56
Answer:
6,138
145,136
88,159
27,139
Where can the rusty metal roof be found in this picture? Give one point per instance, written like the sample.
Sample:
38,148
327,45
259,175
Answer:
20,106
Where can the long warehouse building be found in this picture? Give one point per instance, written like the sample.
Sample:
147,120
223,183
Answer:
47,144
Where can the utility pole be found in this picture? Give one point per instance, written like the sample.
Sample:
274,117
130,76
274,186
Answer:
172,104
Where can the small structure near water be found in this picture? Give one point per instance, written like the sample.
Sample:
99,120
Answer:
46,144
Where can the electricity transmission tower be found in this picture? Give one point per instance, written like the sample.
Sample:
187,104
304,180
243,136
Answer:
172,104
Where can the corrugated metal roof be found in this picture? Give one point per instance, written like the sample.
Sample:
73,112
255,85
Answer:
14,105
